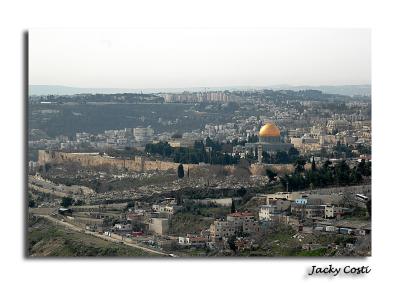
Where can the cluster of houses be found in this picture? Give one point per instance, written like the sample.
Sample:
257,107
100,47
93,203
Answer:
307,213
320,212
157,220
292,206
241,225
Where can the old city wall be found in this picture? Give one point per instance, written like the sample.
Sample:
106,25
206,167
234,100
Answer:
92,160
140,164
84,159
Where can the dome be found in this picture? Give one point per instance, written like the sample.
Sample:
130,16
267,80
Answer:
269,130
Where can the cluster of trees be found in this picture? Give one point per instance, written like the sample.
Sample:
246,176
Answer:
211,152
66,202
69,201
327,175
281,157
214,152
126,152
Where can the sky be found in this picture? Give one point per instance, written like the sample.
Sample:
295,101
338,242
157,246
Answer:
179,58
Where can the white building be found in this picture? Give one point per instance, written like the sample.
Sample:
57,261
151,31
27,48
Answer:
123,227
266,212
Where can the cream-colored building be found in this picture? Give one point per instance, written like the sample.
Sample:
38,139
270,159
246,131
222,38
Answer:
159,226
243,221
239,222
333,211
220,229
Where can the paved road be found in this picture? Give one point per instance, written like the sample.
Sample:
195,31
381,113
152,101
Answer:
78,229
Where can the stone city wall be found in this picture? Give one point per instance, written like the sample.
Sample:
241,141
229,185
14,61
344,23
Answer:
94,159
140,164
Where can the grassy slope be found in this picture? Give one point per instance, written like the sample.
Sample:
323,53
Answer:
46,239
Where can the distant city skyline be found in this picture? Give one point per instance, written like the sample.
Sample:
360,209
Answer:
349,90
193,58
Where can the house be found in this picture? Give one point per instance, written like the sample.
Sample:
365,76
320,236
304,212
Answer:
123,227
193,241
167,206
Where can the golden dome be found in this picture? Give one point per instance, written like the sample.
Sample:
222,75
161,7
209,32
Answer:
269,130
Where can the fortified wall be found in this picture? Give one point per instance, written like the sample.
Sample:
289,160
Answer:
137,164
140,164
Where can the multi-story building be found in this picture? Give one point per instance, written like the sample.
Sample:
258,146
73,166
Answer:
236,223
243,221
220,229
305,211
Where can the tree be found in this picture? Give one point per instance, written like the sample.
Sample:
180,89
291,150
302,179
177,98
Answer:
342,173
31,203
47,167
293,153
241,192
368,204
299,164
179,198
313,166
231,243
282,157
327,164
181,172
233,208
66,201
271,175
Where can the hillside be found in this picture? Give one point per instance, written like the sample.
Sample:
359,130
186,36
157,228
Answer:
47,239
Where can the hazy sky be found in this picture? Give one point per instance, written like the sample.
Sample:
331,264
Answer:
169,58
